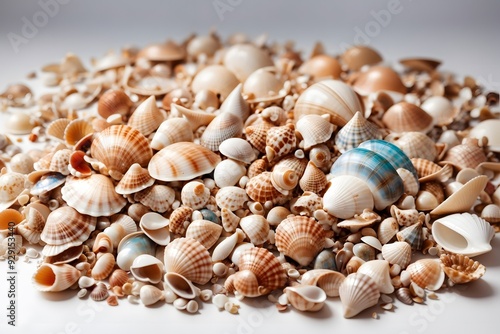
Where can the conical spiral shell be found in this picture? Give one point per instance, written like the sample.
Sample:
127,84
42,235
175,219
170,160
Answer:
53,278
135,179
280,141
205,231
284,179
222,127
356,131
195,195
257,135
172,130
357,293
147,117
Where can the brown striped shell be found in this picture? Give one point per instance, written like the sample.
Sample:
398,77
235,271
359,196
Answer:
222,127
76,130
405,117
135,179
147,117
427,273
466,155
205,231
260,189
430,171
179,219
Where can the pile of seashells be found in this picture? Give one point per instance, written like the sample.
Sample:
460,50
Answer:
192,172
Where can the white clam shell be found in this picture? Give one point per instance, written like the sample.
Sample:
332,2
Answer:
155,226
379,271
150,295
346,196
147,268
306,297
440,108
228,172
238,149
357,293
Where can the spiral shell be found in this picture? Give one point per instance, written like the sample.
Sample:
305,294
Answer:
260,189
172,130
53,278
284,179
257,135
222,127
196,118
195,195
313,179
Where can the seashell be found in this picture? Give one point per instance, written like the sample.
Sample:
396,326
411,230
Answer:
328,280
102,244
372,241
415,145
205,231
147,268
179,219
227,245
236,104
161,52
69,255
405,217
490,213
260,189
182,161
284,179
463,233
264,85
103,267
222,127
429,171
31,229
64,228
181,286
21,163
429,197
55,129
378,78
440,108
413,235
189,258
332,97
313,179
231,198
94,196
298,164
134,180
120,146
260,272
118,277
347,196
307,204
147,117
256,228
364,252
150,295
215,78
487,128
76,130
257,135
356,131
77,165
114,101
398,252
365,219
11,186
461,269
196,118
387,229
465,155
275,115
306,298
314,129
357,293
410,182
244,59
155,226
99,292
131,246
404,295
195,195
228,172
203,45
172,130
406,117
47,182
321,66
382,179
238,149
53,278
378,270
462,199
427,274
110,61
230,220
9,217
321,156
358,56
300,238
420,64
60,161
280,141
19,123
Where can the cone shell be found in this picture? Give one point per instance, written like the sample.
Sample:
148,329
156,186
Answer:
205,231
328,280
357,293
76,130
461,269
427,274
120,146
171,131
405,117
313,179
94,196
189,258
356,131
332,97
236,104
280,141
147,117
306,297
158,198
256,227
398,252
135,179
222,127
378,78
260,189
301,238
182,161
314,129
347,196
53,278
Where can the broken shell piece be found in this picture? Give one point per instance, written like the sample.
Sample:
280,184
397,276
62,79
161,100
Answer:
461,269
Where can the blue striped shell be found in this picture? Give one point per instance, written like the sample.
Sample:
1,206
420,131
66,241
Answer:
393,154
380,176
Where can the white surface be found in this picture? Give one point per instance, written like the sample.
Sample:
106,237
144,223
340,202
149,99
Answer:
464,35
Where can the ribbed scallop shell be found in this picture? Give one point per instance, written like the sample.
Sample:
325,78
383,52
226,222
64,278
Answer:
357,293
256,227
387,229
356,131
94,196
280,141
238,149
314,129
53,278
135,179
189,258
328,280
465,155
427,273
260,189
257,134
405,117
347,196
332,97
172,130
205,231
182,161
313,179
398,252
415,145
55,129
379,271
120,146
382,179
147,117
231,198
301,238
222,127
429,171
158,198
461,269
76,130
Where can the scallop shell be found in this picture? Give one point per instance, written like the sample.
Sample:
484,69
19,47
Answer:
216,78
156,227
257,135
463,233
429,171
332,97
231,198
356,131
306,297
328,280
135,179
118,277
172,130
103,267
260,189
378,78
461,269
120,146
415,145
99,292
196,118
244,59
398,252
387,229
465,155
147,268
53,278
76,130
195,195
94,195
55,129
238,149
182,161
257,167
313,179
347,196
158,197
357,293
300,238
490,213
222,127
256,228
406,117
280,141
314,129
189,258
413,235
205,231
427,274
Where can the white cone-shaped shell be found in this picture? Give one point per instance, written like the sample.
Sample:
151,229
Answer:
147,117
357,293
236,104
463,233
222,127
347,196
398,252
171,131
306,297
379,271
150,295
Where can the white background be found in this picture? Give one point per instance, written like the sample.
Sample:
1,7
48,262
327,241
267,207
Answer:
462,34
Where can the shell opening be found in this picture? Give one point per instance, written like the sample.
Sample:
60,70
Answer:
455,242
45,276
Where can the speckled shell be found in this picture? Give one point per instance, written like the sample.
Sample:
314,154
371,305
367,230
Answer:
60,161
378,78
31,229
189,258
256,228
398,252
256,135
11,186
357,293
429,171
195,195
328,280
405,117
280,141
216,78
158,197
300,238
182,161
120,146
332,97
382,179
260,189
414,145
135,179
76,130
205,231
172,130
461,269
356,131
222,127
231,198
313,179
94,196
427,273
147,117
314,129
53,278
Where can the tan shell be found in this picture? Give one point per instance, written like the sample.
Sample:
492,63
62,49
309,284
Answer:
55,129
94,196
378,78
360,55
415,145
256,227
205,231
53,278
179,218
465,155
328,280
264,85
321,66
222,127
182,161
189,258
158,197
167,51
313,179
118,277
231,198
104,266
76,130
171,131
31,229
196,118
216,78
195,195
114,101
357,293
387,229
300,238
135,179
427,273
461,269
150,294
406,117
244,59
147,117
260,189
429,171
314,129
60,161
